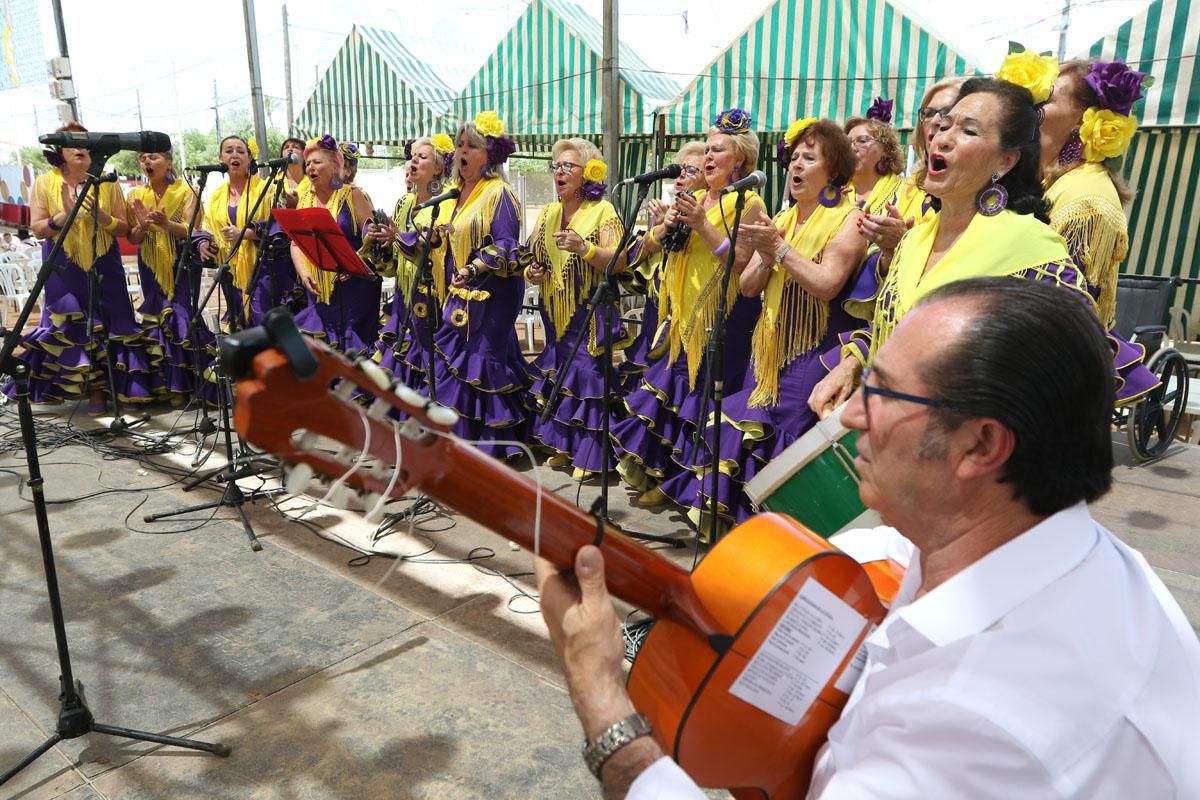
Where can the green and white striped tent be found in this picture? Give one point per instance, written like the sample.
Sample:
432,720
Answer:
823,58
545,80
375,92
1163,162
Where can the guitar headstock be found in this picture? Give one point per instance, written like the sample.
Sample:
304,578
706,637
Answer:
343,420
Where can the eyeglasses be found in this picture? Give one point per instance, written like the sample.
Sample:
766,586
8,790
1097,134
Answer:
563,166
867,391
690,172
862,141
928,113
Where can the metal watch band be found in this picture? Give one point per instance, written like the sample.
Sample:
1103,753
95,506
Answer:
617,736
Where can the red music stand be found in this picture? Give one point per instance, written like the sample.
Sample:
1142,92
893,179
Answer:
316,233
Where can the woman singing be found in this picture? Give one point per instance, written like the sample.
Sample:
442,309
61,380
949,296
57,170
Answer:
575,239
404,341
653,442
241,202
344,308
802,261
159,213
87,329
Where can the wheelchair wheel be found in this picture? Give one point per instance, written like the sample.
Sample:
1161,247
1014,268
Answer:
1152,421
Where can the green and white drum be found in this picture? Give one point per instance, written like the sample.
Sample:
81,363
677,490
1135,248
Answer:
814,480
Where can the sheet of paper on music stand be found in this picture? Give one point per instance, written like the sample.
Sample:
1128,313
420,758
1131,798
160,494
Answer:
316,233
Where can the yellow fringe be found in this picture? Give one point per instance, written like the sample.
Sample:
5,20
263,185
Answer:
158,248
1098,238
473,224
78,245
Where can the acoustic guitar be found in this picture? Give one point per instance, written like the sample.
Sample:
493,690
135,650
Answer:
750,660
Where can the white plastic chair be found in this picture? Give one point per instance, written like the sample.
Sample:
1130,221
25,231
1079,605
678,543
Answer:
529,316
14,287
133,281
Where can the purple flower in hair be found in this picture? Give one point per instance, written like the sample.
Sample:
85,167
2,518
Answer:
54,158
783,153
593,191
1117,87
499,148
448,163
408,143
733,120
327,142
881,110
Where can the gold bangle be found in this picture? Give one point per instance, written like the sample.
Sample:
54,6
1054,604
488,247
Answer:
653,239
589,253
111,225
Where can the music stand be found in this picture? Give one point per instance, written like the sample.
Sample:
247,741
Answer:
316,233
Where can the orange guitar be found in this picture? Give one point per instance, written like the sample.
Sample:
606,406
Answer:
740,674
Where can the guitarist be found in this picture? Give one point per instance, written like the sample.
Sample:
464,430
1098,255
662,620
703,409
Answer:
1029,653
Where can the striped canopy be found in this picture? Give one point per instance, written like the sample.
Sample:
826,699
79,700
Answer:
375,92
828,58
545,78
1162,41
1163,162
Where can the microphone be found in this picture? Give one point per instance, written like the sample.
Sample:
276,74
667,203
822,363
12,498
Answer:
449,194
290,158
671,172
142,141
210,168
754,180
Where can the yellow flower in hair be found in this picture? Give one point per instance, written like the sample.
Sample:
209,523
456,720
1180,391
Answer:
595,171
797,129
1036,73
252,146
443,143
489,123
1105,134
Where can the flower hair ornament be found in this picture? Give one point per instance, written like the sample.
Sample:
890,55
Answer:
443,146
733,121
499,146
349,151
252,148
783,150
325,142
595,172
1108,126
1037,72
881,110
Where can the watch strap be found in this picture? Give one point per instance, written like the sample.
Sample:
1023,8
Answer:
606,745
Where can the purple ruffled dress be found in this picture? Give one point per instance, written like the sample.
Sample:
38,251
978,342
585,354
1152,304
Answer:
644,281
65,356
276,283
350,321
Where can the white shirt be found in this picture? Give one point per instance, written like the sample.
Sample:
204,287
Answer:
1057,666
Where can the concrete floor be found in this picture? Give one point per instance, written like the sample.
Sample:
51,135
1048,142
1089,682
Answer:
330,676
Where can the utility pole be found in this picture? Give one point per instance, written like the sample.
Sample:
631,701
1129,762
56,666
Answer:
1063,24
612,91
71,101
256,92
141,125
287,72
217,112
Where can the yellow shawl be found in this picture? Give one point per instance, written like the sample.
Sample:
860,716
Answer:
78,245
1086,210
473,223
990,246
216,217
691,280
882,193
910,202
803,318
406,221
158,248
340,197
596,221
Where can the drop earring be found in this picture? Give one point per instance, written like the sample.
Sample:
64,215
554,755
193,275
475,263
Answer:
993,199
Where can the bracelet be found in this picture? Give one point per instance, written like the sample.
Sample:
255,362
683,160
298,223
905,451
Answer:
653,239
722,248
54,226
589,253
781,251
608,743
111,225
474,270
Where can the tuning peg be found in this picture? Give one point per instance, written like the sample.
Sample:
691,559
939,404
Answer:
339,496
375,372
443,416
379,409
345,390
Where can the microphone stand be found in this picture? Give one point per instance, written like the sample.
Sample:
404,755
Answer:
74,717
232,496
604,296
714,380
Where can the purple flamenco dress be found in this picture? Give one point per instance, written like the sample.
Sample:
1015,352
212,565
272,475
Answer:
87,317
345,311
478,367
405,333
575,428
643,278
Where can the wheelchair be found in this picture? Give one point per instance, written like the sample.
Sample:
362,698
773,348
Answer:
1143,309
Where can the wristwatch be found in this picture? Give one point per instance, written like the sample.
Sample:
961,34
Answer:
781,251
606,745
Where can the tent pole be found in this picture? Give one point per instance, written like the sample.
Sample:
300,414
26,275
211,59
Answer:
612,90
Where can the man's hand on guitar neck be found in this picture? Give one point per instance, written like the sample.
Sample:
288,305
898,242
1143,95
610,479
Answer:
586,634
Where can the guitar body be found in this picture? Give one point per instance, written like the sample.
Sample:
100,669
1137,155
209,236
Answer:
748,580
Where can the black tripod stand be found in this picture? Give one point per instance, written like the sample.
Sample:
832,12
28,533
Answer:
74,717
237,464
605,296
